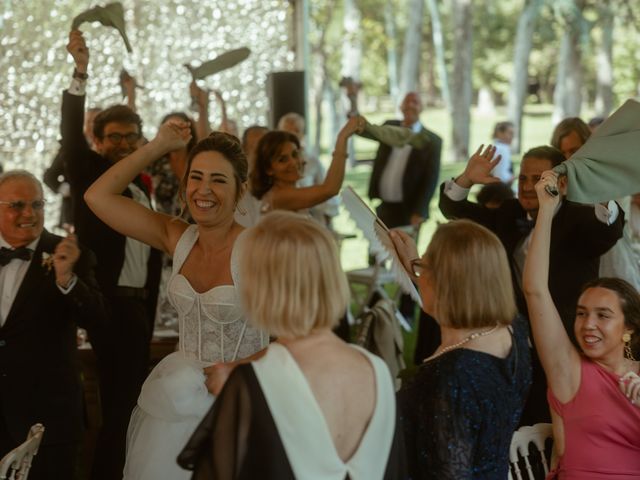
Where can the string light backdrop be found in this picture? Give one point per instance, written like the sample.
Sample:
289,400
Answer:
164,35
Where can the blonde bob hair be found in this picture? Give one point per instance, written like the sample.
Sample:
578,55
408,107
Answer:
471,277
292,282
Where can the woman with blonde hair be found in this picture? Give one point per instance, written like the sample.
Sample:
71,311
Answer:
594,391
461,408
312,406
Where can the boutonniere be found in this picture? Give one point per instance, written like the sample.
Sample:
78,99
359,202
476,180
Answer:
47,261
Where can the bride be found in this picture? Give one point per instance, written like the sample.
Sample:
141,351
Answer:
202,288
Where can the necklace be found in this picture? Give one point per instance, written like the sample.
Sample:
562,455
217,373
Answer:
473,336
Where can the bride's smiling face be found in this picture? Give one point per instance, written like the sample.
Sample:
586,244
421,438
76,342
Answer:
211,189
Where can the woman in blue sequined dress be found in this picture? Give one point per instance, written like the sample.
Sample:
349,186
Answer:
460,410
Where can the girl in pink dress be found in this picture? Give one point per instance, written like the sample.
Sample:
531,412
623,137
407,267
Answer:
594,392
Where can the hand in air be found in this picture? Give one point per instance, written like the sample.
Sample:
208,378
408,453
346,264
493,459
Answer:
630,386
173,134
217,375
406,248
548,179
65,257
479,166
78,50
200,95
354,124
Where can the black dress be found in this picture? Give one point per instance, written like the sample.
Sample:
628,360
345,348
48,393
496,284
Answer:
242,438
460,411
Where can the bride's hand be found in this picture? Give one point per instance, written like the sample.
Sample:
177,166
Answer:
217,375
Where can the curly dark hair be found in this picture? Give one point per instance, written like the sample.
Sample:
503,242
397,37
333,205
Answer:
228,146
267,149
629,301
115,113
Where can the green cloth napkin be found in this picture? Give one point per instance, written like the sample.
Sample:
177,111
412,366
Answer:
111,15
607,166
395,135
220,63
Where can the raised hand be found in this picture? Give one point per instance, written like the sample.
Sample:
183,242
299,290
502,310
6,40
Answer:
479,166
173,135
354,124
548,180
630,386
406,249
217,375
65,257
199,95
78,50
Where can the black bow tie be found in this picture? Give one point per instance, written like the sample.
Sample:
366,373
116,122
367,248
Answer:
7,254
525,225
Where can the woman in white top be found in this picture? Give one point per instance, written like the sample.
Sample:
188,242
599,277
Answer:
212,326
313,407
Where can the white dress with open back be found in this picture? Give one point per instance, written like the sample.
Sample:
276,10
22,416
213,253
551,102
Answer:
174,398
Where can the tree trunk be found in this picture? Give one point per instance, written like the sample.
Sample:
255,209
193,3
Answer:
438,46
352,46
567,96
411,52
392,52
461,83
604,70
520,79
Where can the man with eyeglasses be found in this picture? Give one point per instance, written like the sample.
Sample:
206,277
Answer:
128,271
47,289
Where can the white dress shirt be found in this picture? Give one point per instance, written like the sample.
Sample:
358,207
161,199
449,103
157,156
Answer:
391,179
11,276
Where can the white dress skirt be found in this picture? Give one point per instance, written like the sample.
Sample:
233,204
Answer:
174,397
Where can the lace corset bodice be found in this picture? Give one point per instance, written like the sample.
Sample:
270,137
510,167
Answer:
212,325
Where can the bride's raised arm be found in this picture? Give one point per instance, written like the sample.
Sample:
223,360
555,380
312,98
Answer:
124,214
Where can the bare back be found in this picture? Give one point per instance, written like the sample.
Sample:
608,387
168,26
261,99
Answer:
343,383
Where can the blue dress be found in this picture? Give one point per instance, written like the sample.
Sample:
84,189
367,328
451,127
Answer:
460,411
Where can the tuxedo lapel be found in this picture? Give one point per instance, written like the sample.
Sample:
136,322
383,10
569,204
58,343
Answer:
35,278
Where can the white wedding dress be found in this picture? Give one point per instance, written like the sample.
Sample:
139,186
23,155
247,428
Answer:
174,398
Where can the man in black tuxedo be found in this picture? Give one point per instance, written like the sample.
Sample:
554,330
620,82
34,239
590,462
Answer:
405,178
47,289
128,271
580,234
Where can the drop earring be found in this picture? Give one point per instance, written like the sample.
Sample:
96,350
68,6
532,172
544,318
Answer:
626,338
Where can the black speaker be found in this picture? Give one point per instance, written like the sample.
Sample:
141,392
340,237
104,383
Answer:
286,94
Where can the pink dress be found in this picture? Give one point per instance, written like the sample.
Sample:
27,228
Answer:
601,428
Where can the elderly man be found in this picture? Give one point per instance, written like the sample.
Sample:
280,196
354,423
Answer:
47,289
127,271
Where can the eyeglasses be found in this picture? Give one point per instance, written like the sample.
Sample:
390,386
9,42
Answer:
418,267
20,205
116,138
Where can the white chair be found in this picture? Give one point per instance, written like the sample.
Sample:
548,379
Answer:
522,438
17,462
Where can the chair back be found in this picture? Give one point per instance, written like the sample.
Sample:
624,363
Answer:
380,333
15,465
519,449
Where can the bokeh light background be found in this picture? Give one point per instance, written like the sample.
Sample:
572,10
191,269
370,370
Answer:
164,35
